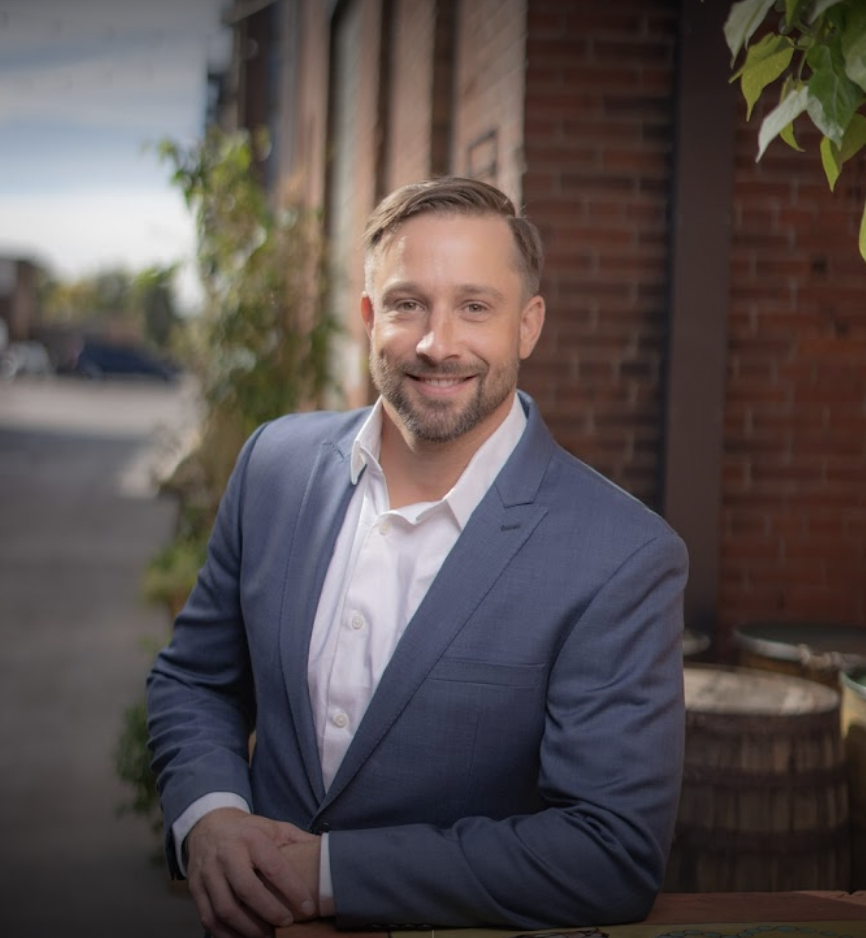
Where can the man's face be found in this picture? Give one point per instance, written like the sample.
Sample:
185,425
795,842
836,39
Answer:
449,324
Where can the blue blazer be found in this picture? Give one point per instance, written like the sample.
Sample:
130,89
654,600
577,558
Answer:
520,761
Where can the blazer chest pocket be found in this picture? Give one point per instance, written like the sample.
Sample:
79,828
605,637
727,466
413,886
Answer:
466,671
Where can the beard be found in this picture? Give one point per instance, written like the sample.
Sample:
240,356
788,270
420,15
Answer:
441,421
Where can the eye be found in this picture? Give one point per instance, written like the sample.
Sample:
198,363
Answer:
406,305
475,309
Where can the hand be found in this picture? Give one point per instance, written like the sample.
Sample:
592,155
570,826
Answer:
241,879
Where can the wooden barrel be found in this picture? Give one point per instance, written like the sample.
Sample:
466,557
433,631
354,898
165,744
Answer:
818,651
764,805
854,734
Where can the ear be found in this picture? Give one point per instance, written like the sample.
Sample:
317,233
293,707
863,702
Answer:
367,312
531,322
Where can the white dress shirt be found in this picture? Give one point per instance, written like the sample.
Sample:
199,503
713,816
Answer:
383,563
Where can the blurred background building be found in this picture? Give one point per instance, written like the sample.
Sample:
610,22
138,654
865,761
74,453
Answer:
19,301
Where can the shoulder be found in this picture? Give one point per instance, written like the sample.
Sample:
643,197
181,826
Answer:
290,447
595,500
299,433
588,504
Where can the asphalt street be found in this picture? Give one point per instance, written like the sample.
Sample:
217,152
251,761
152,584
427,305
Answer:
79,519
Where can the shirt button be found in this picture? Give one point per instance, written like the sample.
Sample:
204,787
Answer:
384,526
341,720
357,621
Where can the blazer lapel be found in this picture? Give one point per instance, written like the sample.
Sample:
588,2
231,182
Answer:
321,516
497,530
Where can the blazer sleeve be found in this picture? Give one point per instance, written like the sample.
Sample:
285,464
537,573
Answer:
200,697
610,773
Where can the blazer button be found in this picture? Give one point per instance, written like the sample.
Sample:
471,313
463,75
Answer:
322,828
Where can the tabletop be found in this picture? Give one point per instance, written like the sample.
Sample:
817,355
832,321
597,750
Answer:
738,915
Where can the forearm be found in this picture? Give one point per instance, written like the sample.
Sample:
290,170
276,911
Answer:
552,869
199,741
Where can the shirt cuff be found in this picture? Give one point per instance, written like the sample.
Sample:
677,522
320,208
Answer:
195,812
327,907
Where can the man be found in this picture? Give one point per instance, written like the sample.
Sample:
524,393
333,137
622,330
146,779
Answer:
459,647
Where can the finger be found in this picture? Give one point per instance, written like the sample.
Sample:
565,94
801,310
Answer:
248,893
225,915
208,917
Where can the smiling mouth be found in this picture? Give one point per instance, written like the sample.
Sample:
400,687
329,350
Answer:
440,382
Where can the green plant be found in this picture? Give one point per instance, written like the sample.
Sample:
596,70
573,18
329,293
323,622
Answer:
817,48
132,765
266,326
171,573
262,350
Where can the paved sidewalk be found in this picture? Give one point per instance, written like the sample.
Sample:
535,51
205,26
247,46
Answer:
78,521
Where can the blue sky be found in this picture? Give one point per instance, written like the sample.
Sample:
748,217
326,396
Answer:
87,88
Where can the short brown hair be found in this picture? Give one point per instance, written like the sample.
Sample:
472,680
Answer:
458,196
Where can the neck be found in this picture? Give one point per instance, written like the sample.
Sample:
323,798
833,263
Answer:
421,471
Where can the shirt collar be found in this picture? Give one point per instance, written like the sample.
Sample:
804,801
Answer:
368,442
476,478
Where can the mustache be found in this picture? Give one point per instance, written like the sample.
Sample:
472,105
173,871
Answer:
418,368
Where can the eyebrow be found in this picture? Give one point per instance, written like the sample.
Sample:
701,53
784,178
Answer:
465,289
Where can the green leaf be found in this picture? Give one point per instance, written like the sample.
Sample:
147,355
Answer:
830,161
820,7
863,234
855,137
853,45
744,18
791,107
833,101
833,157
765,62
787,134
792,9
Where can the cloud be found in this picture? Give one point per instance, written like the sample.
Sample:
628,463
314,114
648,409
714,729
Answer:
85,86
106,62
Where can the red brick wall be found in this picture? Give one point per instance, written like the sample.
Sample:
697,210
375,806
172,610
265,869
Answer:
794,502
599,136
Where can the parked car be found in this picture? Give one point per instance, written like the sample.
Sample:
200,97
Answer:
25,358
95,359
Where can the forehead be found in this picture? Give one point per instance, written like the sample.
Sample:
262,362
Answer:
443,243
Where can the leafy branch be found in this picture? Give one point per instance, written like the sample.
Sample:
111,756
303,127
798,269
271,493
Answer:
818,50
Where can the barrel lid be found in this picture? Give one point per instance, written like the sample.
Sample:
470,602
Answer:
855,680
820,645
750,691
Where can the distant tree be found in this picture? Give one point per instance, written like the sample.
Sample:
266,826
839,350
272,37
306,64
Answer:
817,48
154,295
145,299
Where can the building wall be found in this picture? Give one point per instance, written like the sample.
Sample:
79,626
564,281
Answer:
19,303
599,137
794,500
489,76
303,177
354,173
410,92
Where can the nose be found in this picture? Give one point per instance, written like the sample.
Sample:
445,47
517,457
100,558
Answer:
438,341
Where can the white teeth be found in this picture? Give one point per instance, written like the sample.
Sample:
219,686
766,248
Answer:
442,382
